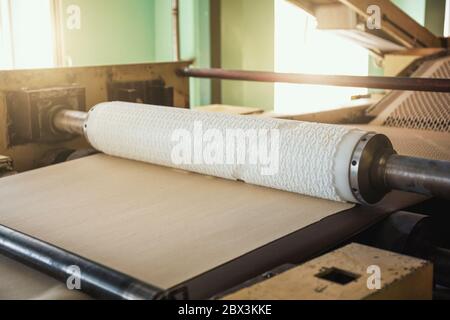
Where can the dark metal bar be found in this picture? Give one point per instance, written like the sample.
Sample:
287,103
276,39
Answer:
422,176
390,83
96,280
441,261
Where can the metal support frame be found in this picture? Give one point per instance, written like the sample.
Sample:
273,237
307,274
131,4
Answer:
396,24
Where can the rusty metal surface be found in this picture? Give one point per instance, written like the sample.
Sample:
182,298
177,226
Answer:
30,113
95,80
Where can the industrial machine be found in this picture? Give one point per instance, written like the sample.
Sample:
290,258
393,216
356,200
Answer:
98,207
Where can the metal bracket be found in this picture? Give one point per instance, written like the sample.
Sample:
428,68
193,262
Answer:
30,113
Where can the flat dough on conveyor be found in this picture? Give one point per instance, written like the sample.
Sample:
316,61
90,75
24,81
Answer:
159,225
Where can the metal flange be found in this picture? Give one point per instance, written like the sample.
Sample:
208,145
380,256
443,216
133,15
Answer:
367,168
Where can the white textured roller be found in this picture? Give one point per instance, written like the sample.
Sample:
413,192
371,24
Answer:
313,159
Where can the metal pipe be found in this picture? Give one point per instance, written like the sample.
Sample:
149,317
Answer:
390,83
422,176
176,29
96,280
70,121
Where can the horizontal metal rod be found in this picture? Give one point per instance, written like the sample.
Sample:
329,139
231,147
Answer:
70,121
422,176
95,280
389,83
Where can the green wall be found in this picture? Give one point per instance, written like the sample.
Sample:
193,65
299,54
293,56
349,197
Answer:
139,31
435,16
414,8
194,40
196,44
112,32
162,30
429,13
248,43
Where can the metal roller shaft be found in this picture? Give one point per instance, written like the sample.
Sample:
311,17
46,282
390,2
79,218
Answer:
96,280
375,169
428,177
70,121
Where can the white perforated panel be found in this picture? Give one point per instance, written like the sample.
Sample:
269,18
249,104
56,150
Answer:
420,110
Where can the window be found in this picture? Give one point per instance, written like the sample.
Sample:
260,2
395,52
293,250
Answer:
301,48
26,34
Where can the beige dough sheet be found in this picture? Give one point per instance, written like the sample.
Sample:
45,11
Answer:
160,225
157,224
